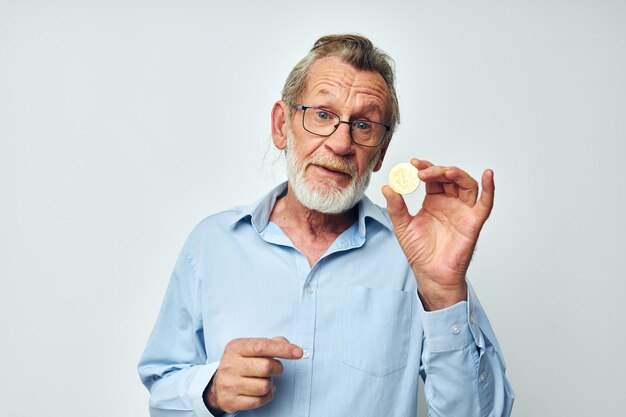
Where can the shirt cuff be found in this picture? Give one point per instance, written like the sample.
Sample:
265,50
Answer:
196,389
473,321
453,327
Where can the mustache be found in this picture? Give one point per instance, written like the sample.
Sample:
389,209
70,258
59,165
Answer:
333,163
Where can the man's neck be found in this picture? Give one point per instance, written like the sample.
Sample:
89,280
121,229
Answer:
310,231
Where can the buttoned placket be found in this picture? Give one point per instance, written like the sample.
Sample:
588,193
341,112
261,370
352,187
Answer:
307,309
305,334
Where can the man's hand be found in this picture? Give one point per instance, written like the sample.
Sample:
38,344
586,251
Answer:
440,239
243,378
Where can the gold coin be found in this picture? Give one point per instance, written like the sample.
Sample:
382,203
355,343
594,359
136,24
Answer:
403,178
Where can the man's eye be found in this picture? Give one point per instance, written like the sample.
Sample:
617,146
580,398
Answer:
362,125
323,115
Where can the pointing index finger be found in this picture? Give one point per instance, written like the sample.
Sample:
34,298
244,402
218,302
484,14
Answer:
261,347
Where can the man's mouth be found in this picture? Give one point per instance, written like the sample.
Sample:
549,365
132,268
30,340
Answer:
334,169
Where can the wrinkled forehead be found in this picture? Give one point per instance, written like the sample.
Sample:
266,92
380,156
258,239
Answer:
334,80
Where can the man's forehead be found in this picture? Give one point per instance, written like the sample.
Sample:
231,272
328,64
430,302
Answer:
332,78
372,103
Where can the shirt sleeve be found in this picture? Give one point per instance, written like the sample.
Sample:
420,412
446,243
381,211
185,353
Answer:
462,366
174,364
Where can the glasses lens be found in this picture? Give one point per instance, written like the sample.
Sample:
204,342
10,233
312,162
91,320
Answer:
320,122
368,133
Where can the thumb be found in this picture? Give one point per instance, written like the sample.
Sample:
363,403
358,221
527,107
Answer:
396,207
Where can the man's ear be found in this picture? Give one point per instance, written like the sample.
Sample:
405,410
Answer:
383,151
279,124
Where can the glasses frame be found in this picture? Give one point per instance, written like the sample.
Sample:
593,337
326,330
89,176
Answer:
349,123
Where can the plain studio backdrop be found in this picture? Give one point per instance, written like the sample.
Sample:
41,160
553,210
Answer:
125,123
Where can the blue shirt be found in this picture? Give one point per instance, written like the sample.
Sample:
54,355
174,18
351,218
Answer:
356,314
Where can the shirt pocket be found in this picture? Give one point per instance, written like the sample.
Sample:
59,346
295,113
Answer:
376,332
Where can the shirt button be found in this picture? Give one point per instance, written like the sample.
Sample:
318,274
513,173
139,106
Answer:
472,318
309,289
482,378
456,329
305,353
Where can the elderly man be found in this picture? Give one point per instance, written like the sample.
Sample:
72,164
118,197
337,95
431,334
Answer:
316,302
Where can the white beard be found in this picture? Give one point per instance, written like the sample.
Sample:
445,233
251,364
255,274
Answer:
327,196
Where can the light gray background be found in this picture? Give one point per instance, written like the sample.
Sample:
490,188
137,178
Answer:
124,123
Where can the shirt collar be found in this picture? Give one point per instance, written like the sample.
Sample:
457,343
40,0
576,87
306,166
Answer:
367,209
259,212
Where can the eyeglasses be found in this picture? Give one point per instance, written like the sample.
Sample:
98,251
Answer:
322,122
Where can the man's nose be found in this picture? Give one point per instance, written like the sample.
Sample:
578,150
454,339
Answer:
340,141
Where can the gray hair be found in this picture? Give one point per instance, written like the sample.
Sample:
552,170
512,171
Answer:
352,49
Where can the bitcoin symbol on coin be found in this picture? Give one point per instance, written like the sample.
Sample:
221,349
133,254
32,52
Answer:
403,178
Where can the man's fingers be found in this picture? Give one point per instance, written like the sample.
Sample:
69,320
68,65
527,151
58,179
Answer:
280,339
465,187
249,402
257,387
244,378
434,188
262,367
485,203
451,189
255,347
396,207
433,173
448,175
421,163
